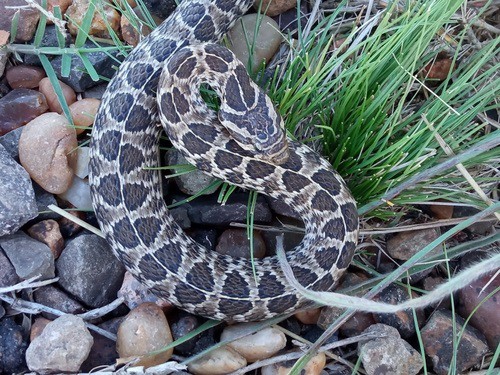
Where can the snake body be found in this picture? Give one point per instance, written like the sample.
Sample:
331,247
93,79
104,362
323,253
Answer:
243,144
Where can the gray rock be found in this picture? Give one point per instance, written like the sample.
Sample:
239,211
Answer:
43,200
17,198
189,183
11,142
103,62
28,256
389,354
49,39
52,297
89,271
209,211
62,346
8,275
13,344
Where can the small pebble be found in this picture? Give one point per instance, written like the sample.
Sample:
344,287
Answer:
259,345
218,362
48,232
62,346
309,316
47,89
264,45
274,7
47,152
83,113
135,293
439,335
78,194
235,242
38,326
441,212
24,76
145,329
388,354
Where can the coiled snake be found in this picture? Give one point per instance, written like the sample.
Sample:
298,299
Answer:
244,144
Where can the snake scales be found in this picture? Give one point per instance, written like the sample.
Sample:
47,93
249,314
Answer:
243,144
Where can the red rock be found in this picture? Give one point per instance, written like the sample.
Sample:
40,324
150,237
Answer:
24,76
19,107
48,232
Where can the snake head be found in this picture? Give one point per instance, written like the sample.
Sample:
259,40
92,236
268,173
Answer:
259,129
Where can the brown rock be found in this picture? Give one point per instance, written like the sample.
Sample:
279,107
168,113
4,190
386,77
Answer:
356,324
47,231
438,70
309,316
406,244
99,27
27,18
263,45
235,242
37,327
130,33
145,329
313,367
484,315
439,335
441,211
220,361
47,89
68,227
19,107
83,113
46,151
62,4
24,76
274,7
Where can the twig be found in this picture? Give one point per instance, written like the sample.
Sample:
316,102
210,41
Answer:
101,311
28,283
36,308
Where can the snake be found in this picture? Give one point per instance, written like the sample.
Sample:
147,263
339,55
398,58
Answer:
156,88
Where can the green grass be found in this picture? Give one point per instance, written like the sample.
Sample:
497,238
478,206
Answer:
370,110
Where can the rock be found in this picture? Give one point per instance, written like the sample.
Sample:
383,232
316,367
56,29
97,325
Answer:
263,46
132,33
235,242
89,271
43,200
185,324
68,227
47,88
483,316
313,367
17,197
38,326
181,217
218,362
62,4
160,8
134,293
4,57
19,107
309,316
274,7
103,351
205,237
28,256
438,70
403,321
388,354
209,211
439,335
13,344
24,76
98,27
190,183
52,297
406,244
356,324
62,346
78,194
281,208
95,92
104,63
47,231
432,282
288,21
145,329
27,18
10,142
259,345
8,275
441,211
47,152
83,113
